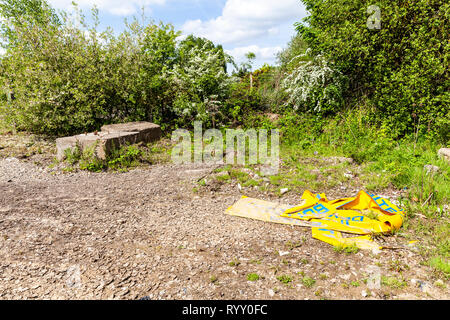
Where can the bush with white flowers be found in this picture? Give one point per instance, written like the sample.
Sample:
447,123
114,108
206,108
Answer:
314,85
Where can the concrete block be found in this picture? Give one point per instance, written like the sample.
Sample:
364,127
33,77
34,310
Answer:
103,143
112,136
147,132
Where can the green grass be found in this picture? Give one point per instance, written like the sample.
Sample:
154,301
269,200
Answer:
253,277
120,159
223,178
355,283
393,282
234,263
346,249
213,279
285,279
440,264
380,162
308,282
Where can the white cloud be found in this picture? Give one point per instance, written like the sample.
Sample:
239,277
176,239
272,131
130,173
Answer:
115,7
265,53
242,20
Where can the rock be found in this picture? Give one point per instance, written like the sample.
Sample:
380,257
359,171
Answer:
102,143
364,293
424,286
284,190
376,251
268,171
345,276
147,132
374,280
271,292
349,175
111,137
444,153
430,168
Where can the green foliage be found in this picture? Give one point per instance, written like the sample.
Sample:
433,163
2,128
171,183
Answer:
393,282
202,83
72,155
67,79
241,102
315,86
191,42
284,279
440,264
346,249
89,160
120,159
255,93
400,68
252,277
308,282
385,161
245,67
36,11
294,53
123,158
234,263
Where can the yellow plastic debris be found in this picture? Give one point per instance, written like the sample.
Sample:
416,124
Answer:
335,238
364,215
265,211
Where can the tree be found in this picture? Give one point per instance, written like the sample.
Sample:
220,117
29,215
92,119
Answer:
206,45
17,11
246,67
401,69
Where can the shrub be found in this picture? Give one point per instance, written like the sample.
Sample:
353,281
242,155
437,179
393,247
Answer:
315,86
202,81
67,79
400,68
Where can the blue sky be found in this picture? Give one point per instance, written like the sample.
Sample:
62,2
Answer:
261,26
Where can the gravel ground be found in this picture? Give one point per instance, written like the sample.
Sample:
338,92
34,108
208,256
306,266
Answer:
145,233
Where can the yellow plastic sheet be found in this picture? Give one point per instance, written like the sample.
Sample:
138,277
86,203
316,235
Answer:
364,214
335,238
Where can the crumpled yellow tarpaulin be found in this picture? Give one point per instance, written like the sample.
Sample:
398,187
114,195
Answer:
364,215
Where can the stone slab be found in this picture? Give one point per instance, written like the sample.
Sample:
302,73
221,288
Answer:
110,137
147,132
102,142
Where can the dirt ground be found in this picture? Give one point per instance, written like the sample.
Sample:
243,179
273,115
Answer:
145,233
